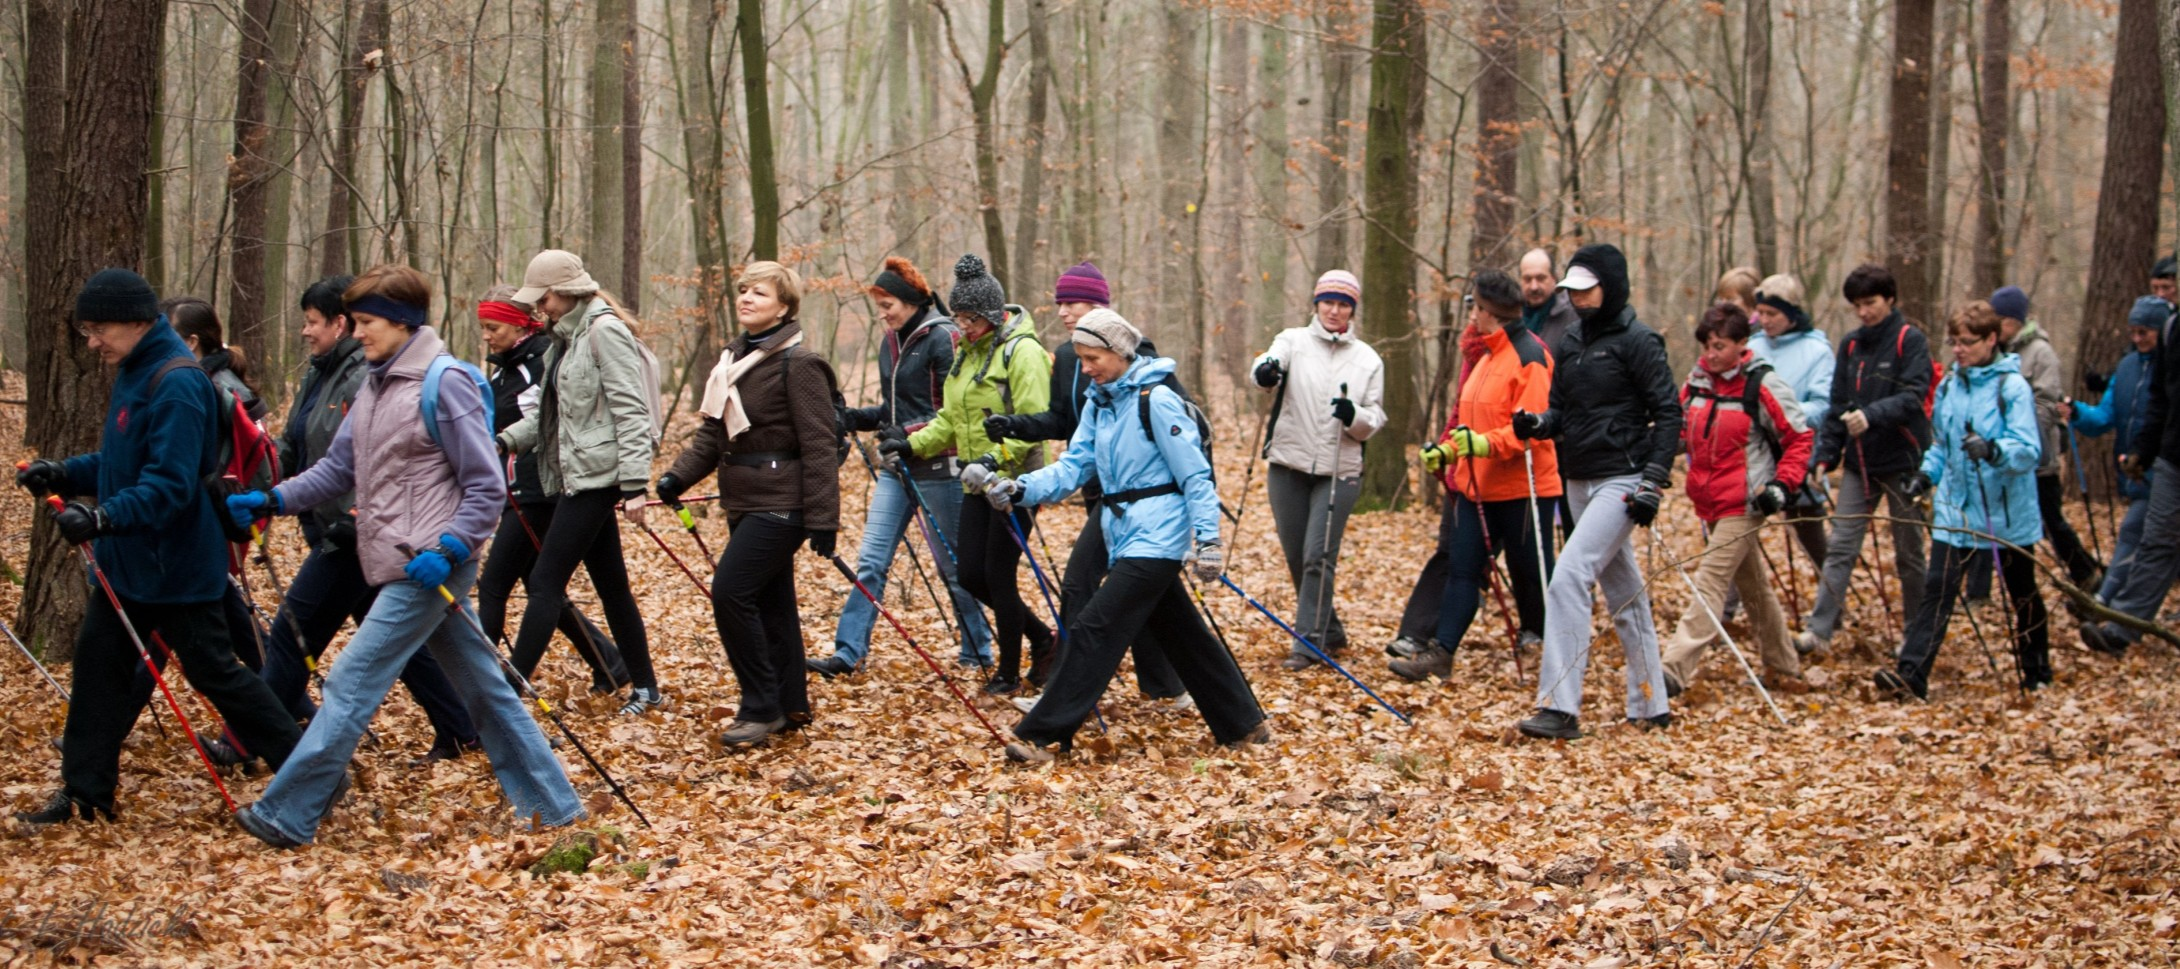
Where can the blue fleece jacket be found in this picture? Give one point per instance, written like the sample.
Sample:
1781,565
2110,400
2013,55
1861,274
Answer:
1110,445
1995,402
164,545
1803,358
2119,413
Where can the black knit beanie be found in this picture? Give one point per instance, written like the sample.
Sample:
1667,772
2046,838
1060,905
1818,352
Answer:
116,296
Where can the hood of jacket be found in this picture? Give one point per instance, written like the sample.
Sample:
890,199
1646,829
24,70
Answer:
1610,266
2030,333
1317,329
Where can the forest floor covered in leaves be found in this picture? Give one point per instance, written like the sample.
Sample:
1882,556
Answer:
1980,829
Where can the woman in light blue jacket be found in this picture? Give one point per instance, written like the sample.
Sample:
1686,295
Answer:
1800,355
1140,441
1980,476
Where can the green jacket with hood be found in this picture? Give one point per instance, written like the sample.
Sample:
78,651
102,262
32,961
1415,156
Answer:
1000,373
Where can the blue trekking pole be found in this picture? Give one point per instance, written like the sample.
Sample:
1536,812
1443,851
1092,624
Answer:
1043,588
1304,640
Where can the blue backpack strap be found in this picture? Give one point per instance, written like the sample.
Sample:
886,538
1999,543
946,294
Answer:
429,401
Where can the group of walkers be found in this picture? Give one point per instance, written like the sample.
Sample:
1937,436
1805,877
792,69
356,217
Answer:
417,478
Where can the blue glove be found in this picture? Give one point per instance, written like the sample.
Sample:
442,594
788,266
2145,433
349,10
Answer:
431,566
249,506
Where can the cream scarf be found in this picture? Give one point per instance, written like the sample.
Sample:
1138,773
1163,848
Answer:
722,401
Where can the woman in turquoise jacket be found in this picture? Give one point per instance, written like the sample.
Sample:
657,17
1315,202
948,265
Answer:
1160,512
1980,477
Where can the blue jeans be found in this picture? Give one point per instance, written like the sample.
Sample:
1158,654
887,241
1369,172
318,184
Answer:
2124,547
892,513
406,617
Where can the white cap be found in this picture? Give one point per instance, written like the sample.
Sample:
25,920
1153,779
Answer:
1578,279
554,270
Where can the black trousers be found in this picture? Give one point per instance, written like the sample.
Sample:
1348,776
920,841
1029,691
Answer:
585,531
1468,565
1141,595
1949,567
514,554
106,704
988,558
753,606
1086,567
1419,618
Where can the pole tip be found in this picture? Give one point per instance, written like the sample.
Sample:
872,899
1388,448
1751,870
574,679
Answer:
54,502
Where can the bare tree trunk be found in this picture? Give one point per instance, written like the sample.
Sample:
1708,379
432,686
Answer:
90,85
2134,161
1271,177
701,123
403,217
632,277
1230,290
764,183
1029,242
549,121
602,247
1756,150
1498,136
281,112
1949,32
1339,58
1398,69
249,168
1909,246
1994,128
983,90
366,38
1180,143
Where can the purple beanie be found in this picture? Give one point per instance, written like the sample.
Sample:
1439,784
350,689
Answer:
1082,283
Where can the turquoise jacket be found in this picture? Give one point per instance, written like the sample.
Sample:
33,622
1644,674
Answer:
1996,402
1803,358
1113,446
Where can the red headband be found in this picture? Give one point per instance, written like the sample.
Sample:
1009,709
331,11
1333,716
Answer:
499,311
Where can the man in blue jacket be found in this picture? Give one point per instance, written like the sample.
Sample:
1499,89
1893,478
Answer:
2118,411
2149,461
154,534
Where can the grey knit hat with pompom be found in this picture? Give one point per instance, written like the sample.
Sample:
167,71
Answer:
975,291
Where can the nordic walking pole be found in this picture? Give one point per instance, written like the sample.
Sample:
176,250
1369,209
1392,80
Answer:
1059,627
936,670
1491,551
1998,572
1536,515
913,557
596,658
114,599
2081,484
936,538
33,658
1304,640
1725,636
522,685
1332,503
685,569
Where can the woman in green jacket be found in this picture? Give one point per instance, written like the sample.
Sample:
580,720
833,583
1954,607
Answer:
1000,368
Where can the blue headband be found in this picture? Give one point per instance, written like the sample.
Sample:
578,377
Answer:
388,309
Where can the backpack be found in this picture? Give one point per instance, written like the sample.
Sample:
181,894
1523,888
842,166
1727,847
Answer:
246,452
428,402
1752,404
1899,349
841,444
1203,424
647,373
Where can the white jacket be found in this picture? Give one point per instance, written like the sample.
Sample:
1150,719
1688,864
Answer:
1318,363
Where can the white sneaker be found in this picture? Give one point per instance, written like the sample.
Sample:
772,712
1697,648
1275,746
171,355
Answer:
1023,703
1181,704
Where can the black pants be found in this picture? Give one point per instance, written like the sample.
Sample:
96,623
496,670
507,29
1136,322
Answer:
1419,618
753,605
1950,565
988,558
1469,560
585,531
1139,595
514,554
329,589
1086,566
106,705
243,628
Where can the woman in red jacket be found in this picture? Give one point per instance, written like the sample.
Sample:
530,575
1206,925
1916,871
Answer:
1747,451
1499,496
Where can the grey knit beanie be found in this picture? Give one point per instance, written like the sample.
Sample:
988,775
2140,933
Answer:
975,291
1107,330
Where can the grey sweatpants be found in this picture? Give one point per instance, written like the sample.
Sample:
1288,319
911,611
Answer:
1311,542
1598,554
1910,549
2157,558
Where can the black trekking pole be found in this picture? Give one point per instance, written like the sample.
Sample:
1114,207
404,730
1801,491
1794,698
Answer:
1304,640
2081,484
114,599
1998,572
33,658
1491,558
596,658
913,556
1326,557
936,670
522,684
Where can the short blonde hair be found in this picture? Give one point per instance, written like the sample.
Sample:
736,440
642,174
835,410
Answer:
786,283
1977,320
1739,284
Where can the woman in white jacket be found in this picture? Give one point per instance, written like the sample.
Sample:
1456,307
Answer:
1328,387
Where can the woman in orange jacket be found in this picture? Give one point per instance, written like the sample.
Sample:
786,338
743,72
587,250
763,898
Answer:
1499,493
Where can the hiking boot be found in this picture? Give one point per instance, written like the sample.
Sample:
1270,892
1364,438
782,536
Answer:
1550,724
222,753
1027,753
1422,666
248,820
751,733
829,667
1673,687
62,807
1792,683
1808,643
641,700
1404,647
1892,686
442,750
1261,734
1042,656
1297,662
1659,722
1002,684
1024,703
2097,638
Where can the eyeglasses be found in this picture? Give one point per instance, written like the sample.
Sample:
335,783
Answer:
1954,341
91,331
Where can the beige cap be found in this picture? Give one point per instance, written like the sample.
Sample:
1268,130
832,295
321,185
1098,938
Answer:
554,270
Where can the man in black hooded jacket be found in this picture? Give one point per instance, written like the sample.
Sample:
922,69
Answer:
1616,421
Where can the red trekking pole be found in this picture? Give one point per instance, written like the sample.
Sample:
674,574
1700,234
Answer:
54,502
911,640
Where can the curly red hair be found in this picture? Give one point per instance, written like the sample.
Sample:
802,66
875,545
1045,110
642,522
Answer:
900,266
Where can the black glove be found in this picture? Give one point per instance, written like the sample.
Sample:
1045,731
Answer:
80,523
1642,506
1979,448
822,541
669,488
899,447
1772,499
1343,410
1000,426
1915,485
2096,382
1269,374
1528,426
43,476
341,535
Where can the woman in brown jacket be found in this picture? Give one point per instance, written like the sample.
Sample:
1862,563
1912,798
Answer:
771,432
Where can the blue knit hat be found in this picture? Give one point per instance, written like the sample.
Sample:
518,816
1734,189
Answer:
2011,303
2151,312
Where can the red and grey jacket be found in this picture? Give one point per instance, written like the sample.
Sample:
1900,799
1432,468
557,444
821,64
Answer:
1742,429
